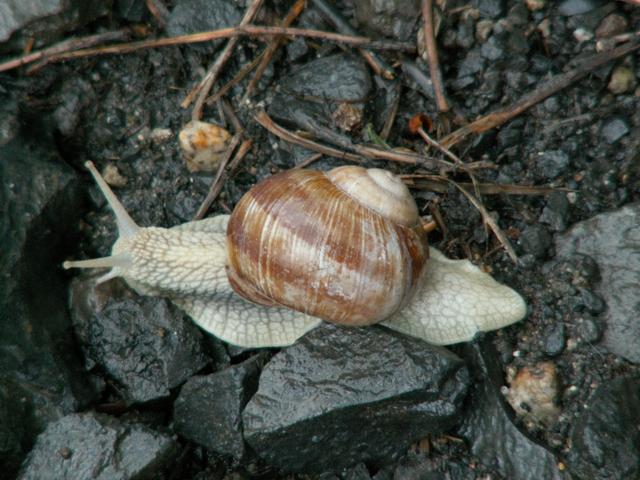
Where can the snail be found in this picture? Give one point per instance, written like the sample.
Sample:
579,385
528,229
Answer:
304,246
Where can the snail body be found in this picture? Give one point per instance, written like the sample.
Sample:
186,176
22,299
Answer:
344,246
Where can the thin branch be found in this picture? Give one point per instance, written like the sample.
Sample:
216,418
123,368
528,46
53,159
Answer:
201,91
488,219
552,86
263,119
158,10
64,47
249,30
273,45
432,55
244,71
438,184
335,18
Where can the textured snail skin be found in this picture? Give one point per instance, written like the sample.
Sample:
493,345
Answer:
187,264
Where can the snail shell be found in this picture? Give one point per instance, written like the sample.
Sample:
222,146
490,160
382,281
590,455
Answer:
345,246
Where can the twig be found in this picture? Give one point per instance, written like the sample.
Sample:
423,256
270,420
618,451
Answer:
204,87
391,117
610,42
438,184
244,71
341,25
363,151
308,161
432,55
273,45
263,119
488,219
549,88
65,46
249,30
214,189
158,10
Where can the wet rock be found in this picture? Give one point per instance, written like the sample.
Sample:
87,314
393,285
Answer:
75,95
556,212
533,394
605,438
612,240
612,25
389,18
536,240
92,446
297,49
316,90
555,339
491,8
551,164
208,409
622,80
40,201
44,19
578,7
342,396
339,78
489,430
473,63
145,343
493,49
192,16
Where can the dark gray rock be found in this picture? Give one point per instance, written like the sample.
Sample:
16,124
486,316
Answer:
389,18
536,240
16,423
96,447
493,49
192,16
208,409
45,18
605,438
75,95
554,340
578,7
489,428
491,8
471,64
338,78
614,129
612,240
144,343
556,212
551,164
40,201
342,396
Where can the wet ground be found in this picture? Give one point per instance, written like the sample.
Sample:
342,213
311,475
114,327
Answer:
554,396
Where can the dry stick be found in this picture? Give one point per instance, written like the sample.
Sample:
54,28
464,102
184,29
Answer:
432,55
549,88
438,184
244,71
263,119
235,140
273,45
65,46
249,30
222,176
488,219
158,10
308,161
202,89
336,19
388,123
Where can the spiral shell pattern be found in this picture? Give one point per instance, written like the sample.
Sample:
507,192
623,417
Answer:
301,240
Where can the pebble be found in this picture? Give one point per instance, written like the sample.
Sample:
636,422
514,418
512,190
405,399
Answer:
535,5
491,8
533,394
556,212
555,339
536,240
612,24
552,163
112,176
578,7
614,129
622,80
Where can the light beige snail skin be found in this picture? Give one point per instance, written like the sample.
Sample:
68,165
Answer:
302,247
